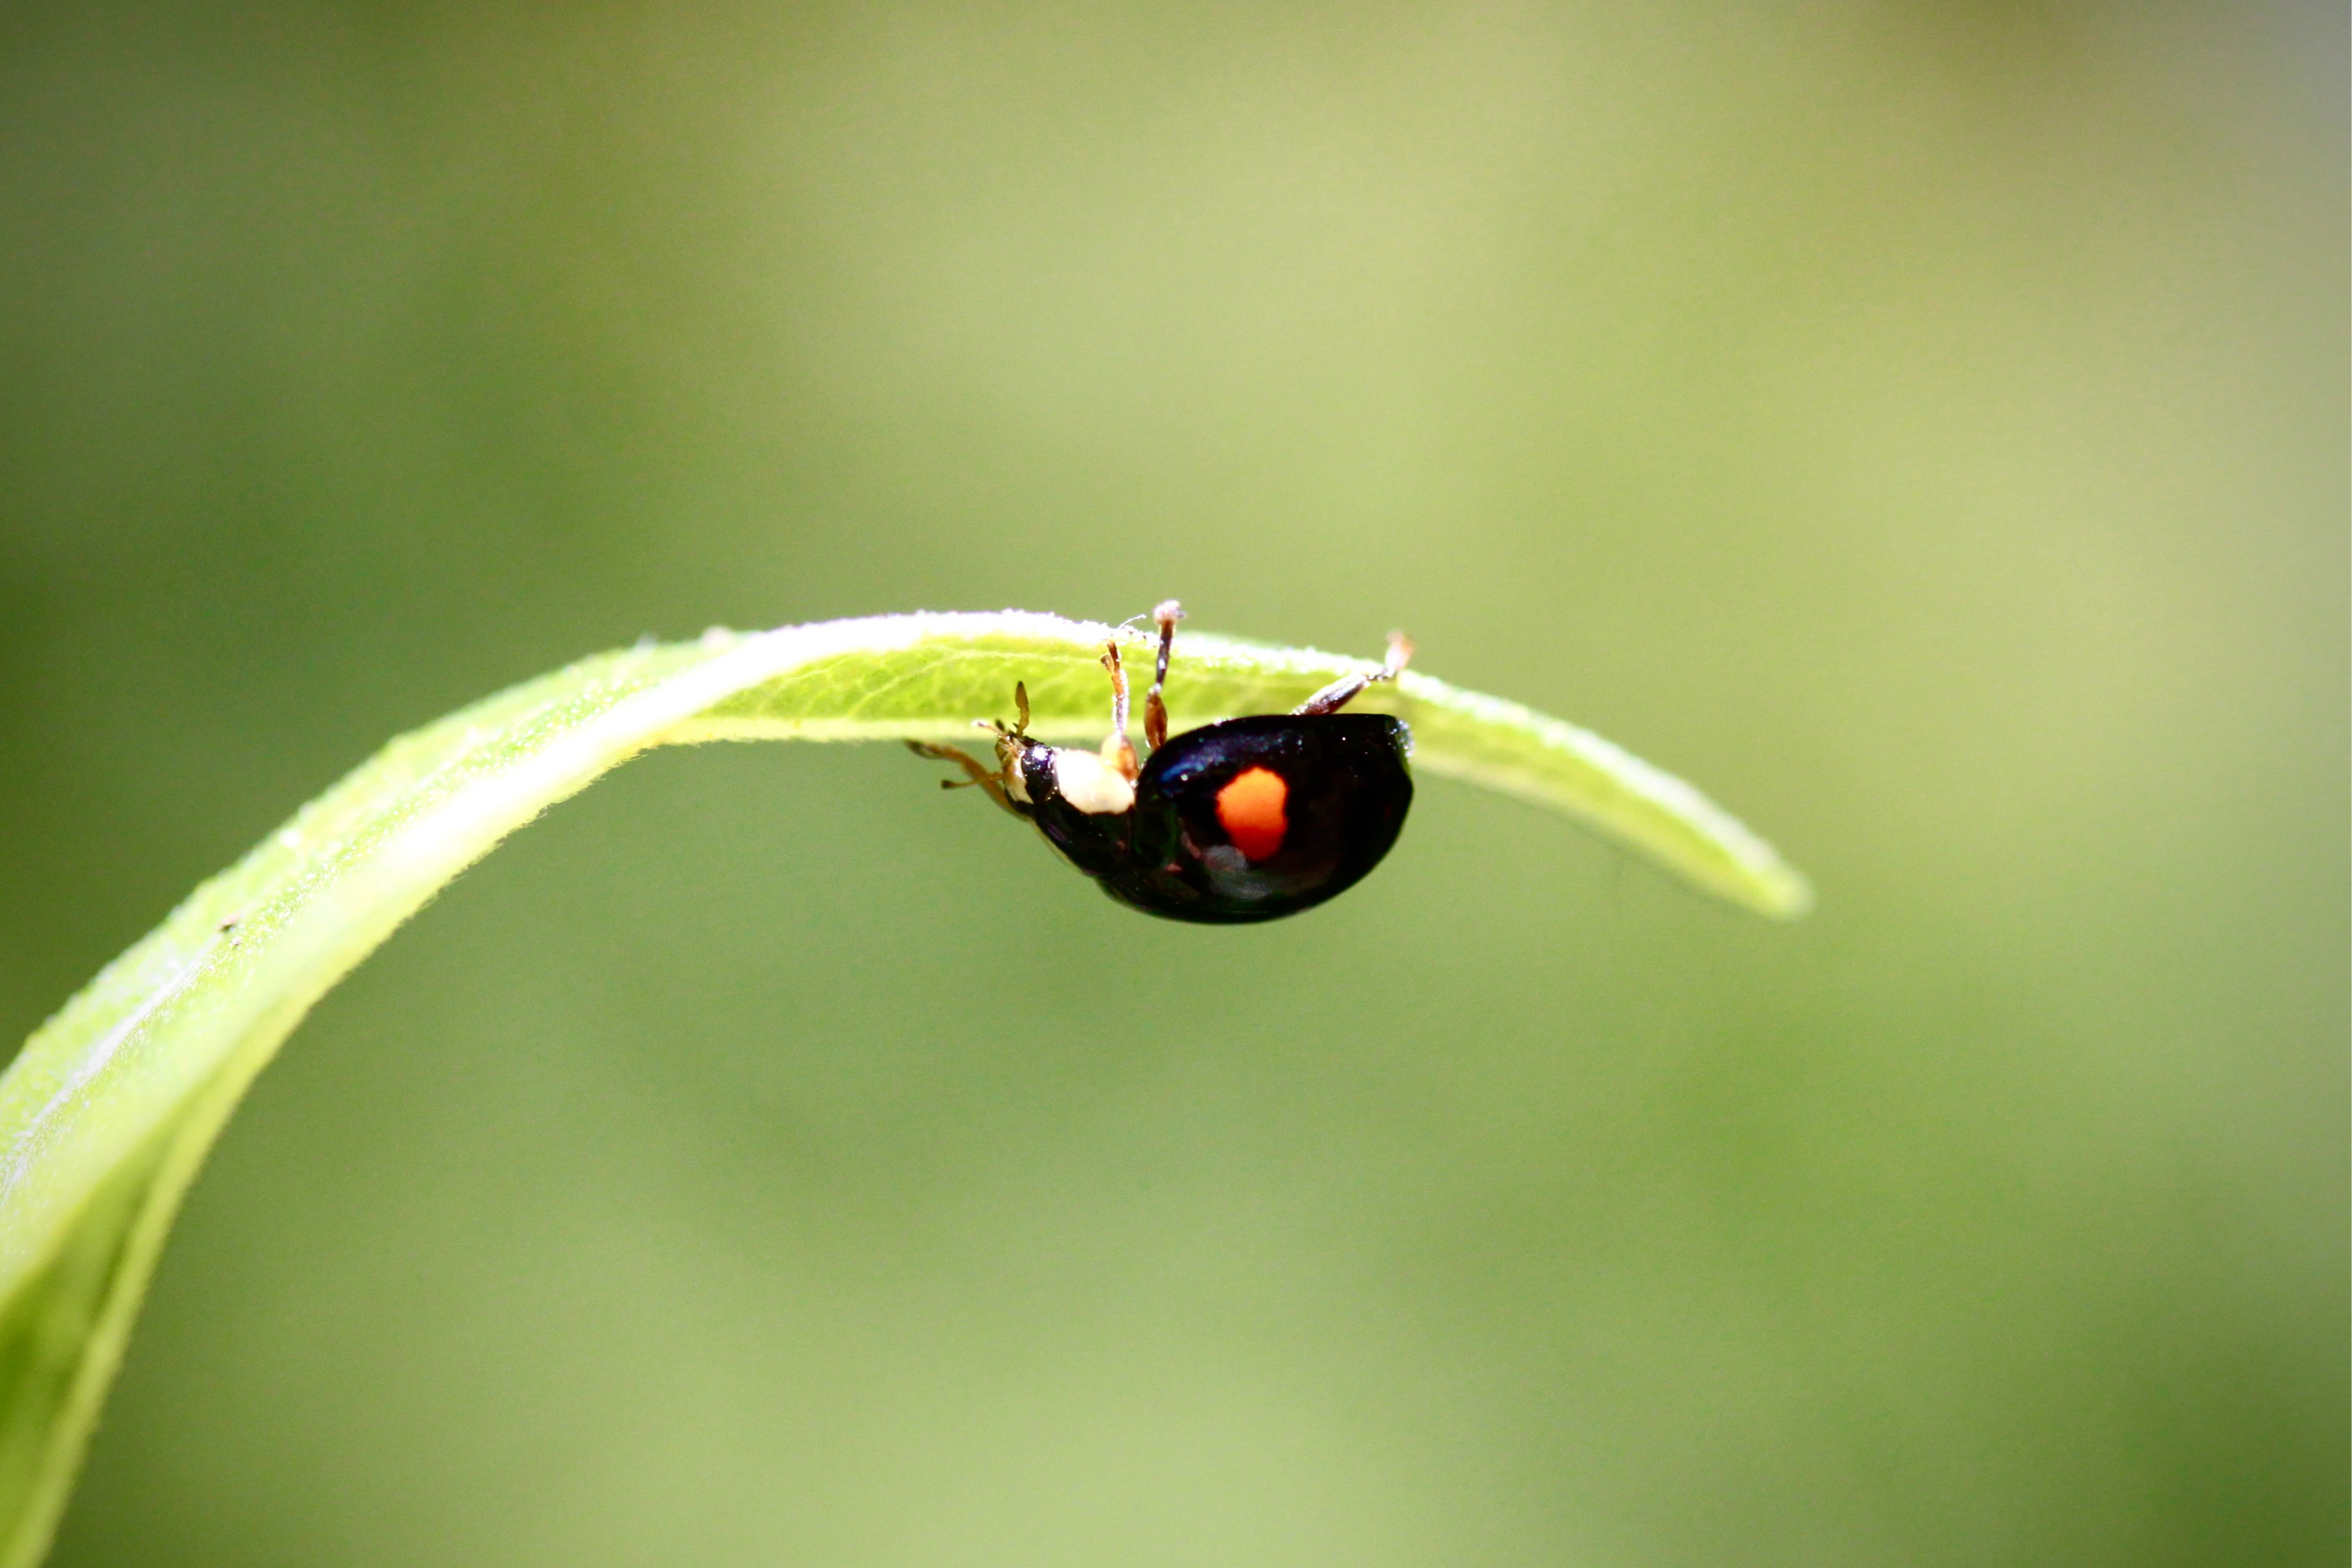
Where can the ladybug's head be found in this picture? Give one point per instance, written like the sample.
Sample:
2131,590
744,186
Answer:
1094,782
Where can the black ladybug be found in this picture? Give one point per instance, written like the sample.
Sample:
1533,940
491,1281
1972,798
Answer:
1248,819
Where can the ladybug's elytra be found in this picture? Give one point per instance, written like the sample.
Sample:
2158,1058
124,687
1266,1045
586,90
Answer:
1247,820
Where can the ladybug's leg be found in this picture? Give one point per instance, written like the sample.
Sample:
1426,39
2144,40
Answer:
1117,749
1340,693
981,775
1155,711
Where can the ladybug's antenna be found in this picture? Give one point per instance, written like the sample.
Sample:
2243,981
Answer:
1342,692
1011,740
1018,730
1155,711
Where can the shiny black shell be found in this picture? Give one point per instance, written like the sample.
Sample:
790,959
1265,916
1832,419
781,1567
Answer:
1346,794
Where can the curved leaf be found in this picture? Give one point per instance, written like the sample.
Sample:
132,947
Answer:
110,1108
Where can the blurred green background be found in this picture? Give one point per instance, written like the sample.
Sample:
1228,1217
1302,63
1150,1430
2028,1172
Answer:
1923,426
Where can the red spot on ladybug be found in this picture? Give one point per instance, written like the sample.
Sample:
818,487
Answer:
1249,808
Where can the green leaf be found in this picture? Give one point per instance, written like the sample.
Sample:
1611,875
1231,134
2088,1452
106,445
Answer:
112,1105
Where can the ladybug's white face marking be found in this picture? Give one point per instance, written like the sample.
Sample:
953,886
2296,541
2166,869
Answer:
1090,784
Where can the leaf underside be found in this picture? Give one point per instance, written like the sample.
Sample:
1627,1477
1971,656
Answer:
113,1103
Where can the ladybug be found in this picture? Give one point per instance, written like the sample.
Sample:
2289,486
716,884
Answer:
1245,819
